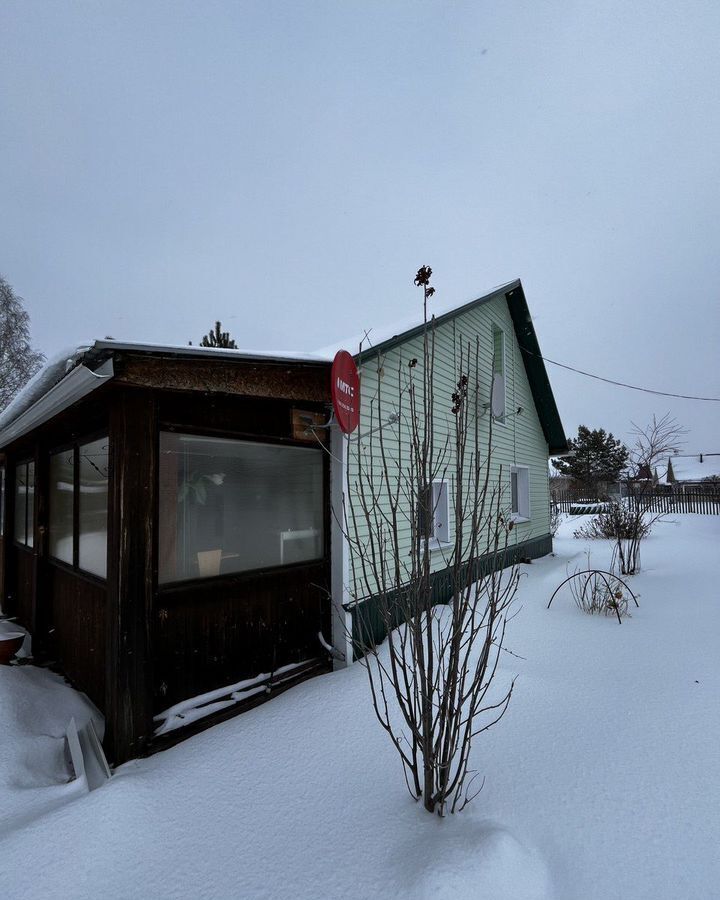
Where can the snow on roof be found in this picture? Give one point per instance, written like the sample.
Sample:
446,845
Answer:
54,370
60,365
191,350
374,337
694,467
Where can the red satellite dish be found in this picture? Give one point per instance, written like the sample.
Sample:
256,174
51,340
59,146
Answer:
345,391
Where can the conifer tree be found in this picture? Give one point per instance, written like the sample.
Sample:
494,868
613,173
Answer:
595,456
218,338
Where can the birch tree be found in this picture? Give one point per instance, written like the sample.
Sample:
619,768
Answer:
18,360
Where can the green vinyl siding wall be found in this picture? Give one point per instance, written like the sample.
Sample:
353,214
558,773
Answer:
518,440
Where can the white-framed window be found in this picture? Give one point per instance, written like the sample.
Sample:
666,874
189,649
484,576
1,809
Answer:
438,508
520,493
499,378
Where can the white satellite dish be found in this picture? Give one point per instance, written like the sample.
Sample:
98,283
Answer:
497,397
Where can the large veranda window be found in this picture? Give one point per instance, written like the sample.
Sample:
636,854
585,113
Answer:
231,506
79,506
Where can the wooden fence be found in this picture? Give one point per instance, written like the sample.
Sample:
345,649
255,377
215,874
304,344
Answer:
702,501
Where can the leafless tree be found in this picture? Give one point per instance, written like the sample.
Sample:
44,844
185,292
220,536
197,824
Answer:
18,360
432,682
653,444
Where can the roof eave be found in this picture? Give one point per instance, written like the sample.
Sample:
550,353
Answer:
527,339
418,330
77,384
104,349
535,369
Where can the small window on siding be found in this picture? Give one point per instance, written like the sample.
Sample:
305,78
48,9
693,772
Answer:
520,493
499,375
437,511
24,503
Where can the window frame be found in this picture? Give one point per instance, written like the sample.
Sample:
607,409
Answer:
64,448
194,430
75,446
522,491
27,462
436,540
3,501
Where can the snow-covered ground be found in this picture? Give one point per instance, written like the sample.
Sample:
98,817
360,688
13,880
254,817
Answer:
602,781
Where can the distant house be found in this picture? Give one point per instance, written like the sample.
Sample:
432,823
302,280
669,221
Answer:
169,515
690,471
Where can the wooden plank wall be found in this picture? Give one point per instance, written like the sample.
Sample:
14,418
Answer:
78,638
212,634
131,578
21,602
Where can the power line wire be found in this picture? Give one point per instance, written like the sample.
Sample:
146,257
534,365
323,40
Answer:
633,387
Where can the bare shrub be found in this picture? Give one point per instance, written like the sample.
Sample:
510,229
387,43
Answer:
597,591
619,521
652,444
432,681
556,517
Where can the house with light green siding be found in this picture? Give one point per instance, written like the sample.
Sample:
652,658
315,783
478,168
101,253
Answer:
176,527
514,427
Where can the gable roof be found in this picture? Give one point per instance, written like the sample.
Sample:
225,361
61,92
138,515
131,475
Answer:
692,467
394,333
513,292
76,372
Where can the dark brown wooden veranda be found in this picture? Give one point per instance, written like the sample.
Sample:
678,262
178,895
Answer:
147,633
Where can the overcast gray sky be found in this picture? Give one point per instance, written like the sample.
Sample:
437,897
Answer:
286,168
